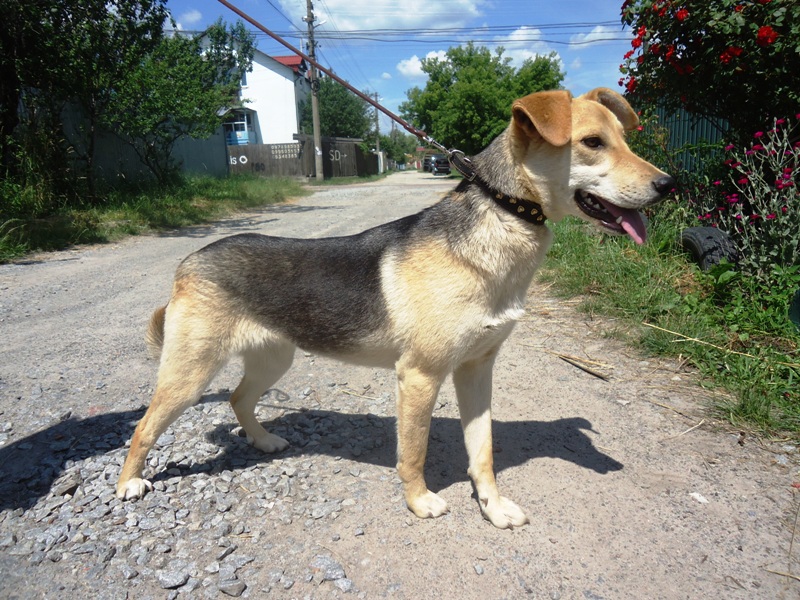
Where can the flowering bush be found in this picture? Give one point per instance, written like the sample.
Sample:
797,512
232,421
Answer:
759,203
735,59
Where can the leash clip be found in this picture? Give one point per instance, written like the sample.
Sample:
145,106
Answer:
462,163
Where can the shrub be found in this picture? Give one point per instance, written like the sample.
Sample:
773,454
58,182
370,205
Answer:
734,59
758,203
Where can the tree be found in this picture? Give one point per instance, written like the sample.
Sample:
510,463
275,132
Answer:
467,100
731,59
341,112
178,90
55,52
398,144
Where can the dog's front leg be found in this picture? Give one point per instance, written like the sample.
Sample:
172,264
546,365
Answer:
416,394
473,382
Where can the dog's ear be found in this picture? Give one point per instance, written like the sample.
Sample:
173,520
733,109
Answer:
545,114
616,104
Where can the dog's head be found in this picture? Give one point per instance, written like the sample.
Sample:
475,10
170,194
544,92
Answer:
575,161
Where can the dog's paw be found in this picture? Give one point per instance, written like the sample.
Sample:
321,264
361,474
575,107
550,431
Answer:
134,488
269,443
428,505
503,513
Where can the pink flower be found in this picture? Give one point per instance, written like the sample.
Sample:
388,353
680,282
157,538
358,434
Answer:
743,181
758,134
730,147
717,183
770,216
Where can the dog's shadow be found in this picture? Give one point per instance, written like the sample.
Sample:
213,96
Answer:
30,466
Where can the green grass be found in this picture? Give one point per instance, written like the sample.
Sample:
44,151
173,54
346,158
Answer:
744,341
127,212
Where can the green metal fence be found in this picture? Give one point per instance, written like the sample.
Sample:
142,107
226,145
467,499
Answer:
691,133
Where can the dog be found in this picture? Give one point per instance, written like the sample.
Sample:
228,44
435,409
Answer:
431,294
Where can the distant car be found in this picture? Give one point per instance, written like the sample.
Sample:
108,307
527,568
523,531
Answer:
440,164
426,163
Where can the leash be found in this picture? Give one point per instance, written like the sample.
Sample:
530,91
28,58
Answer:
525,209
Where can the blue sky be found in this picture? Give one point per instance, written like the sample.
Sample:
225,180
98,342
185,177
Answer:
586,35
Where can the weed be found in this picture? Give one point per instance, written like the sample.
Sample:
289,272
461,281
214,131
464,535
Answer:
133,211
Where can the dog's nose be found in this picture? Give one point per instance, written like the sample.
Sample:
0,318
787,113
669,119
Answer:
664,184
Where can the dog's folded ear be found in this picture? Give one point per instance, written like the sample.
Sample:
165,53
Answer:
617,104
545,114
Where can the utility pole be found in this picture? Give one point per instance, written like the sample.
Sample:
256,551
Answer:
309,19
377,127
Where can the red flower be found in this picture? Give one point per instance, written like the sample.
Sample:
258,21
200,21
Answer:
729,54
766,36
682,14
630,85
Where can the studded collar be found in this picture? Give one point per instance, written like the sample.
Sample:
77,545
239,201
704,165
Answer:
527,210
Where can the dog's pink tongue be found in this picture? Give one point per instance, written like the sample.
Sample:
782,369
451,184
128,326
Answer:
631,222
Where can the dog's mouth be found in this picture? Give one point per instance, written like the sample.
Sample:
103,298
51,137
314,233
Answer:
612,217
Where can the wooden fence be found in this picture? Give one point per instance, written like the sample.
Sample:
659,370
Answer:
341,157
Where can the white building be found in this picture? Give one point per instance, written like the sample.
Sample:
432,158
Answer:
271,95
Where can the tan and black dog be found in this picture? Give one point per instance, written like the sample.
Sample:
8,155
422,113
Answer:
428,295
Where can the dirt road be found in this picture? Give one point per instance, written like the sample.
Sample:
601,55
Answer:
628,497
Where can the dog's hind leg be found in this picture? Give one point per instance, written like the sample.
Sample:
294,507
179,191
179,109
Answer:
187,367
262,368
416,394
473,383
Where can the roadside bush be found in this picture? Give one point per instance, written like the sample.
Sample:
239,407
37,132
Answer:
758,203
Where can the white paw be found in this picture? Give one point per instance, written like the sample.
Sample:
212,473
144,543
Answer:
134,488
269,443
428,506
503,513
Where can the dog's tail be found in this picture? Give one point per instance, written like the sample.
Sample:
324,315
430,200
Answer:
155,332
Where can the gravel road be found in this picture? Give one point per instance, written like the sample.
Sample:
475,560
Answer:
628,496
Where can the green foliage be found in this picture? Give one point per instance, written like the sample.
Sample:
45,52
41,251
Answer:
177,91
735,59
55,52
758,202
129,212
467,100
735,332
341,112
399,145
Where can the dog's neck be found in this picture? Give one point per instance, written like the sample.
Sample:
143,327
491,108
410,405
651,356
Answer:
526,210
478,171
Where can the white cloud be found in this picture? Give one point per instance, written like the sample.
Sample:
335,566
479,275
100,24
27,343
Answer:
523,44
411,68
189,19
347,15
601,33
386,75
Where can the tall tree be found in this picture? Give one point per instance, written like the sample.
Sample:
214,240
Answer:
341,112
58,51
179,90
467,100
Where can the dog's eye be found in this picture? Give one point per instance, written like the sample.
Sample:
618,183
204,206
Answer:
593,142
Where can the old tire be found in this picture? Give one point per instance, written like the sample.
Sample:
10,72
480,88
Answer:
708,246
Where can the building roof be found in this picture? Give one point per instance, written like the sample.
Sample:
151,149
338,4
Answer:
296,63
